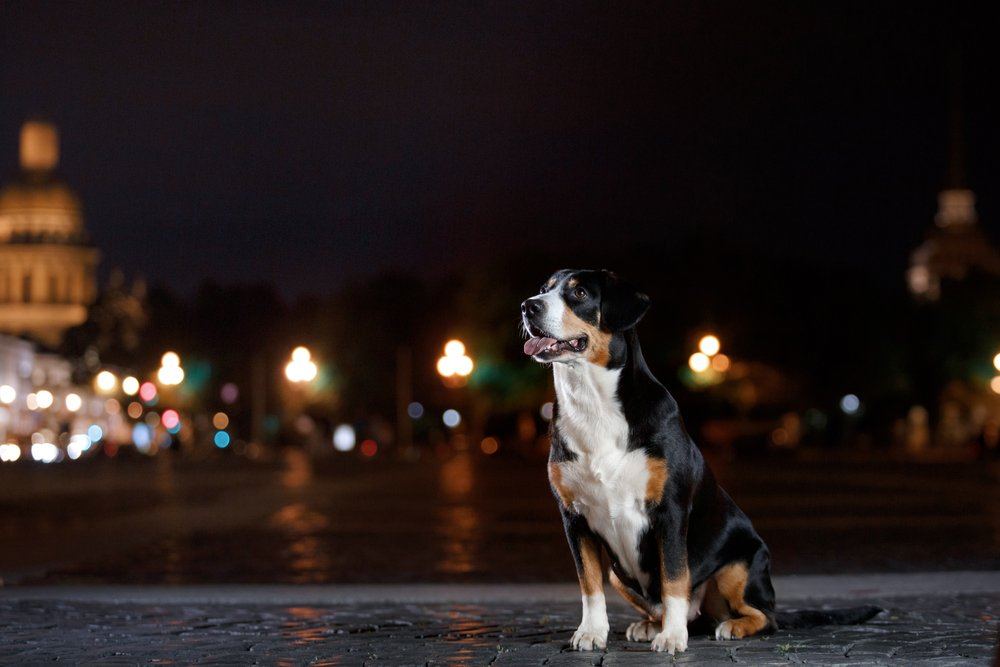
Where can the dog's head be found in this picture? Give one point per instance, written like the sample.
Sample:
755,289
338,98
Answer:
576,315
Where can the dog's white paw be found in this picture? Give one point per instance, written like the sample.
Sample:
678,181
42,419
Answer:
728,630
672,640
590,638
642,631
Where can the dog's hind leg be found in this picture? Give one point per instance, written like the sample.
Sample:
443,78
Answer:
748,594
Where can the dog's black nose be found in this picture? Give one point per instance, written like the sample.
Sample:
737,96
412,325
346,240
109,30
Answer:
531,307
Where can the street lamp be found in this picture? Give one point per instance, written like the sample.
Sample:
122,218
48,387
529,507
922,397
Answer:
455,363
301,368
708,364
130,386
709,345
106,381
170,372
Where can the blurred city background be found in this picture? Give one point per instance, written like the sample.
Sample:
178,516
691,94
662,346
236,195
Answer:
260,274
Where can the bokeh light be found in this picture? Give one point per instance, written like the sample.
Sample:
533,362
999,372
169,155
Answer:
344,438
220,420
221,439
451,418
9,452
141,437
44,398
850,404
106,381
7,394
170,372
44,452
301,368
369,448
229,393
720,363
170,419
699,362
415,410
709,345
134,409
147,391
489,446
455,361
130,386
73,402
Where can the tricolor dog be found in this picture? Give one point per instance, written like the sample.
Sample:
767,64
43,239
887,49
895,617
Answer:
630,481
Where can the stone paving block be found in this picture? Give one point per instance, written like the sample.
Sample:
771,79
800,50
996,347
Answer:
936,630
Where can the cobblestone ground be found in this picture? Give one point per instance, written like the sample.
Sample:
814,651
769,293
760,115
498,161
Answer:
938,630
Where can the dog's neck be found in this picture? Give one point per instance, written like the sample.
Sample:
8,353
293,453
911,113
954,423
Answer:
580,383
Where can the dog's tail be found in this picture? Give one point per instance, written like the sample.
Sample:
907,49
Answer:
812,618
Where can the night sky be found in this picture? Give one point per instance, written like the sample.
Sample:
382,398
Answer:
306,144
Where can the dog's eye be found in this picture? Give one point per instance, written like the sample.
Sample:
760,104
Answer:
542,289
580,293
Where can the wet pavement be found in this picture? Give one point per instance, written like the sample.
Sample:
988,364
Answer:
944,629
340,532
467,518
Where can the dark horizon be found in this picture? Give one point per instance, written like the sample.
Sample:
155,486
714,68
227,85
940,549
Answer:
309,147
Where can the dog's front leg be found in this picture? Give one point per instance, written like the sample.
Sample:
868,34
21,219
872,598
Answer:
675,589
593,631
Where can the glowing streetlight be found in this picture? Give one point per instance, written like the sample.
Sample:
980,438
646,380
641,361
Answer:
130,386
301,368
73,402
708,364
455,363
699,362
106,381
44,398
709,345
170,372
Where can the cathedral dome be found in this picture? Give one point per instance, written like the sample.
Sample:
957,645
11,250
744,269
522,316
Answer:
46,265
36,205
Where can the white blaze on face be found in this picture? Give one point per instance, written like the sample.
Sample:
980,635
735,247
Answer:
553,315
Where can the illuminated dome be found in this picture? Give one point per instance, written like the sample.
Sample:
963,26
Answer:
46,264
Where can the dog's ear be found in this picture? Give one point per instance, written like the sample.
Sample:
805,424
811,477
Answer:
622,304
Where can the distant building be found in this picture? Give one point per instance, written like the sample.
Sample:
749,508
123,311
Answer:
956,246
47,266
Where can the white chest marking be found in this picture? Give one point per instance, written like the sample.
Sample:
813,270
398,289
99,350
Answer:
607,483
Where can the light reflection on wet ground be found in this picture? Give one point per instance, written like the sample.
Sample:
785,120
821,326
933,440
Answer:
464,519
944,629
458,519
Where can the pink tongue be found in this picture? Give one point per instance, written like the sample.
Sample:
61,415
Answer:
533,346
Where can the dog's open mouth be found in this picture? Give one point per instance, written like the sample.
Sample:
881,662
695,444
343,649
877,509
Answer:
547,346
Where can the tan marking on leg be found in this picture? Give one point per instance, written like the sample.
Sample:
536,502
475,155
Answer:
555,477
732,582
641,605
678,586
598,342
657,480
591,576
